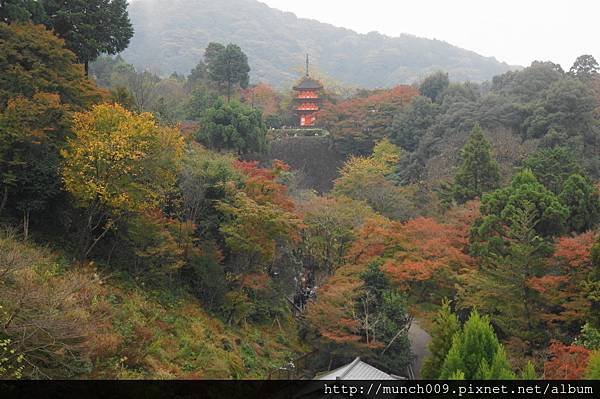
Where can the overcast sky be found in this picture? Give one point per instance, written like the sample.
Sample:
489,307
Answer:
514,31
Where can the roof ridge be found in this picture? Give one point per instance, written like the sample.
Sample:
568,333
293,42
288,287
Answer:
349,368
308,83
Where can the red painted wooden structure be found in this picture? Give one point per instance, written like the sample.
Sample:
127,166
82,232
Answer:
307,99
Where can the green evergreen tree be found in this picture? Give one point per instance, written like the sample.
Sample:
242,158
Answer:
585,67
454,361
553,166
444,327
476,352
90,27
227,66
499,369
197,76
500,286
457,376
387,319
592,371
20,11
479,172
434,85
499,207
529,373
583,201
233,126
412,122
589,337
199,101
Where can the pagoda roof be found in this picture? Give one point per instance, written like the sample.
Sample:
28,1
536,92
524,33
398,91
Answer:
308,83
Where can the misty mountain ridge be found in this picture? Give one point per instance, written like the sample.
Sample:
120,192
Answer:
170,36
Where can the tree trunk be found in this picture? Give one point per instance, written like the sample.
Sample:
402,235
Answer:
26,214
4,199
86,65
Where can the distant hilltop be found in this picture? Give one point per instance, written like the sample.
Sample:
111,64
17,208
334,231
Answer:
170,36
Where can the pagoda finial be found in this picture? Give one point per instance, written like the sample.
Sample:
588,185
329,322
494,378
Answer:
306,64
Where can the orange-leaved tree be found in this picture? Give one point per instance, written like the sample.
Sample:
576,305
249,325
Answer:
567,362
263,97
359,312
563,287
422,256
357,123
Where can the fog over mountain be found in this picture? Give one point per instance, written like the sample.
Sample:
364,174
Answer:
171,36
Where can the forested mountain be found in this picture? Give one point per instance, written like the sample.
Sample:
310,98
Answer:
172,35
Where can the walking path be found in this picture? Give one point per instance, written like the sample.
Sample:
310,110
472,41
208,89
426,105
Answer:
419,339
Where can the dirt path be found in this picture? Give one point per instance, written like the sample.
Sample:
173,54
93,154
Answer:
419,339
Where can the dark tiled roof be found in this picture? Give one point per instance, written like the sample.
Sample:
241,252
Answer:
308,83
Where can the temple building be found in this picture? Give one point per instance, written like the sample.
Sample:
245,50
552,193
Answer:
307,99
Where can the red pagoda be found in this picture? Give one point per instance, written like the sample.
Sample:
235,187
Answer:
307,99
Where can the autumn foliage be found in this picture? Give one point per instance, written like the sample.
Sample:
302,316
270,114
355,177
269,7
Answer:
562,287
263,97
359,122
418,254
261,183
567,362
332,313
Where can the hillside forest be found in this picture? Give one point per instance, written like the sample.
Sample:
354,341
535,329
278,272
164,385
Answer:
146,233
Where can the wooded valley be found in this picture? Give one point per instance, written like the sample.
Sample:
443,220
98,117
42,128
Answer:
148,232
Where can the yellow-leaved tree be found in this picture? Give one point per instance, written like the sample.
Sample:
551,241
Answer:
371,179
117,164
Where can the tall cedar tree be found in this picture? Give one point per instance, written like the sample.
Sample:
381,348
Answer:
445,326
478,172
227,66
501,286
90,27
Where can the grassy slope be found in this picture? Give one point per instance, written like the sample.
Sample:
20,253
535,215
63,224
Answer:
176,338
136,333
